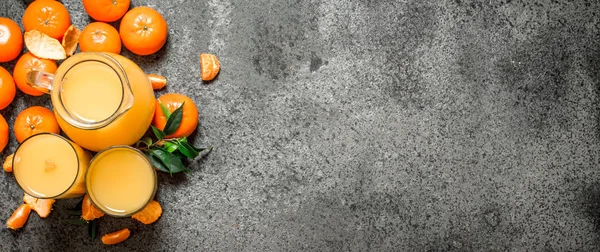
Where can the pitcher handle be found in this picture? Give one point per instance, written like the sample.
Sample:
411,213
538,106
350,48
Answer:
41,81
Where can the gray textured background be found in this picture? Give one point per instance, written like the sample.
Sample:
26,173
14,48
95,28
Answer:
368,126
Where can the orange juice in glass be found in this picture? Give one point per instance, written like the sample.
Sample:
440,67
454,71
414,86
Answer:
49,166
120,181
100,99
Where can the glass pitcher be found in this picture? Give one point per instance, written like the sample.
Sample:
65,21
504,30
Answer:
99,99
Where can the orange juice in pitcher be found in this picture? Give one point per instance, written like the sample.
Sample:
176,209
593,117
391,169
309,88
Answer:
100,99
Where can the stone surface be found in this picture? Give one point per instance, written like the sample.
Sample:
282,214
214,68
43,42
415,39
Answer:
367,126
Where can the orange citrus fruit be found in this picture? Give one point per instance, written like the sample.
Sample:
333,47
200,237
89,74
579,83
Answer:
143,30
88,210
100,37
48,16
26,64
3,133
19,217
42,207
106,10
149,214
116,237
7,88
189,120
11,39
35,120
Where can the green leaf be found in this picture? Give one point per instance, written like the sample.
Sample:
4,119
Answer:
156,163
170,147
77,206
205,150
188,150
92,229
179,155
146,140
170,160
73,212
158,133
165,110
197,149
174,120
79,222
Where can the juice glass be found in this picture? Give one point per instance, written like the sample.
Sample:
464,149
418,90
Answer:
99,99
120,181
48,166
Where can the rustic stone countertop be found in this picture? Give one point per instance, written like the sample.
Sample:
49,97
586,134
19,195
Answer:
461,125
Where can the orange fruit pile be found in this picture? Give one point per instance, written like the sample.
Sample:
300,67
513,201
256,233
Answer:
49,36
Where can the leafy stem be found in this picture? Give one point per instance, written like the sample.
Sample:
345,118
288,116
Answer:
167,154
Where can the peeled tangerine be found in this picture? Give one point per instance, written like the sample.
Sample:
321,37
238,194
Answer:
209,66
44,46
88,210
7,166
42,207
149,214
19,217
116,237
157,81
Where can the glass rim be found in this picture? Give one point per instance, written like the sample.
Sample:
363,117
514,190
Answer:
154,176
74,152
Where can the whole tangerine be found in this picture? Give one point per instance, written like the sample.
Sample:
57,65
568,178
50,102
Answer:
3,133
26,64
47,16
11,39
189,120
35,120
7,88
143,30
100,37
106,10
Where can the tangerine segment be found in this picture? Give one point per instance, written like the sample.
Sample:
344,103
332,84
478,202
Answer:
27,63
11,39
189,120
7,165
150,213
116,237
19,217
8,90
35,120
157,81
42,207
88,210
209,66
47,16
3,133
106,10
143,30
